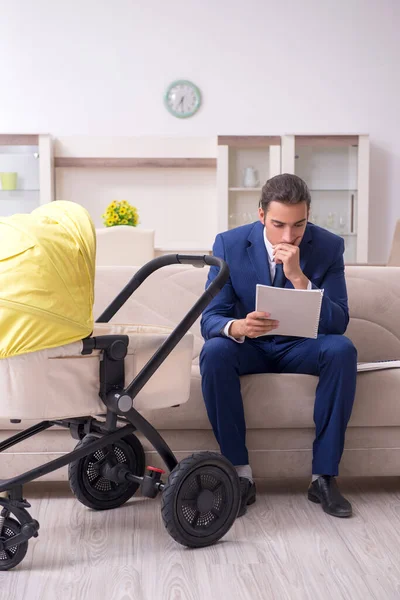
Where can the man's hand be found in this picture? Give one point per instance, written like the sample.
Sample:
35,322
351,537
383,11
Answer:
255,324
289,255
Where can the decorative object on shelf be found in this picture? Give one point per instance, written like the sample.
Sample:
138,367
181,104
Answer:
8,181
250,178
244,218
342,223
120,213
182,98
331,221
248,217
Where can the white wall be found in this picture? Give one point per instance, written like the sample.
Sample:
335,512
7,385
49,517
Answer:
264,66
158,194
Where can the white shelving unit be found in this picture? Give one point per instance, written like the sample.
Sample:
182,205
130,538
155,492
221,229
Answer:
336,170
237,204
31,158
189,189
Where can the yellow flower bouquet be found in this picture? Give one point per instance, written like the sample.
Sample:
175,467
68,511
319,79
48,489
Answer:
120,213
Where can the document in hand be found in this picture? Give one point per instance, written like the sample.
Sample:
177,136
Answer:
297,311
378,365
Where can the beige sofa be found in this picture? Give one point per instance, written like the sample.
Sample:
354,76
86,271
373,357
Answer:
394,257
279,408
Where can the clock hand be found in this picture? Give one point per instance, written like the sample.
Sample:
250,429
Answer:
181,103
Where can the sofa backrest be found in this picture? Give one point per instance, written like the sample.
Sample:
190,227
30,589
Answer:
169,293
124,245
394,256
374,303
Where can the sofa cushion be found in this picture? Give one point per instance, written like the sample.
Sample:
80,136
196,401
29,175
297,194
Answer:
275,400
374,304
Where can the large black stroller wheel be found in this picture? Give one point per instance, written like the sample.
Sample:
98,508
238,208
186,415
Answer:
94,490
201,499
12,556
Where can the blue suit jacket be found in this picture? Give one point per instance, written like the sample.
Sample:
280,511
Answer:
243,248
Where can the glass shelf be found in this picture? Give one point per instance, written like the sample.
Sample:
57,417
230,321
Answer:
332,190
34,155
342,233
245,189
18,191
19,150
337,231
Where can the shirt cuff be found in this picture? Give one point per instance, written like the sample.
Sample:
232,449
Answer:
309,287
226,334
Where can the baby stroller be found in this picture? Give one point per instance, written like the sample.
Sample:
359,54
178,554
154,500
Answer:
103,379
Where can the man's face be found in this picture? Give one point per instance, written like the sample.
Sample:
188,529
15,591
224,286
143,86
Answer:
284,223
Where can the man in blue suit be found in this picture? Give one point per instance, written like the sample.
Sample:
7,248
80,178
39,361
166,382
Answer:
284,250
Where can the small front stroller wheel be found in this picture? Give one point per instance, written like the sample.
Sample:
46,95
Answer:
12,556
200,501
87,482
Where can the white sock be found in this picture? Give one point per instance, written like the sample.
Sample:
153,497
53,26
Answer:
244,471
314,478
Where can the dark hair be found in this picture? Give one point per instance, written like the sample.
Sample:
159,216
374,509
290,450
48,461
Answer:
285,188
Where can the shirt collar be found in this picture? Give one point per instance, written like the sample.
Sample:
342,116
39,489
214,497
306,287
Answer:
269,247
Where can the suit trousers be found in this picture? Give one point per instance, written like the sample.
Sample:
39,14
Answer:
333,358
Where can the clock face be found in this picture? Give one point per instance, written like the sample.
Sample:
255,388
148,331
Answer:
182,99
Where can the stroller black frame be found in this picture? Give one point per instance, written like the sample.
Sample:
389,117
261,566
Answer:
119,403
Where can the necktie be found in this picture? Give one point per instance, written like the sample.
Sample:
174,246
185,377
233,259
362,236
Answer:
279,279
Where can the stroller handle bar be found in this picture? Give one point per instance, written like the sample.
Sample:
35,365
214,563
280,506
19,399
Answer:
177,334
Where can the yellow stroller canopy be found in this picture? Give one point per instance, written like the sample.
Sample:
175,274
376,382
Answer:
47,262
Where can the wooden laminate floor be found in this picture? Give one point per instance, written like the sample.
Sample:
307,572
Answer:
285,548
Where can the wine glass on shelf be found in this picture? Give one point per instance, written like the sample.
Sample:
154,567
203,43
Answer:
331,221
232,220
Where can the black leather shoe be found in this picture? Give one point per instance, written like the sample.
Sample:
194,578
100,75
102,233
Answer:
325,491
247,494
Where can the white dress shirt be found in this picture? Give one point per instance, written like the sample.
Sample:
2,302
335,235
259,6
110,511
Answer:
272,269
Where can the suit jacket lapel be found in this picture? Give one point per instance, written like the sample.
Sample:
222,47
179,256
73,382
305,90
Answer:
258,255
305,248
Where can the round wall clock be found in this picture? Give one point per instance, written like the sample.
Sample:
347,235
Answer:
182,98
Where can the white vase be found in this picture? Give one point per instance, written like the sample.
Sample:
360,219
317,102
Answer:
250,178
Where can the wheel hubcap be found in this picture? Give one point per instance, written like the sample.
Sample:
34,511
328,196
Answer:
205,501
